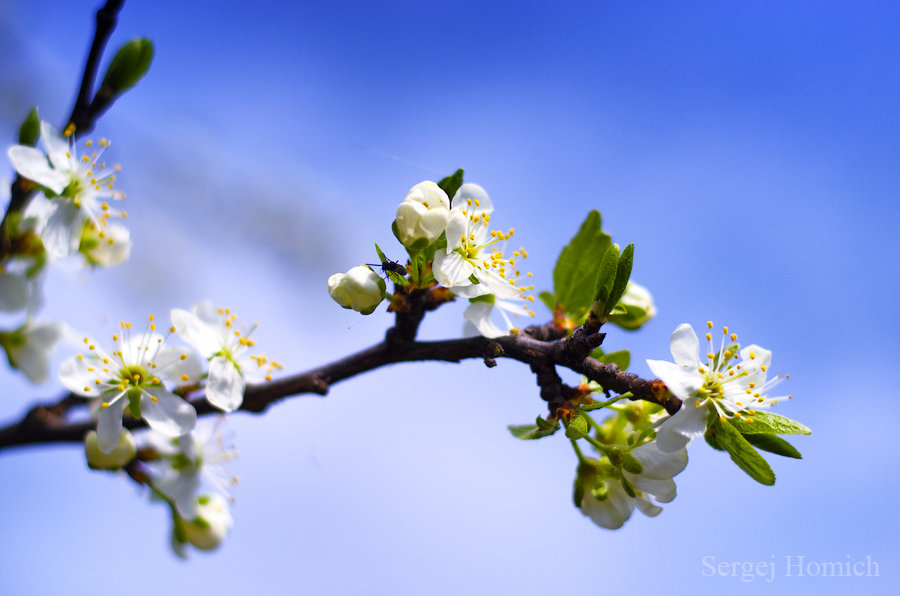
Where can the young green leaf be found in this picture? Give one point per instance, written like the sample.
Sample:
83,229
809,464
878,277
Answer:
743,454
578,428
129,64
451,183
548,300
578,264
761,422
623,273
605,281
774,444
529,432
30,129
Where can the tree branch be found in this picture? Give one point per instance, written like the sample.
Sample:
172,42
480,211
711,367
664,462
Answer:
48,424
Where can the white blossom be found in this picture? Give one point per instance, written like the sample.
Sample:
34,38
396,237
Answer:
214,333
132,377
79,187
730,382
422,216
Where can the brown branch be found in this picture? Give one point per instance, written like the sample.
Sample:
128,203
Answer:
47,424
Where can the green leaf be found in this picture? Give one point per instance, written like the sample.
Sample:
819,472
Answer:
605,280
530,432
743,454
548,300
128,66
712,441
621,358
578,428
381,256
623,273
760,422
451,183
30,129
774,444
578,264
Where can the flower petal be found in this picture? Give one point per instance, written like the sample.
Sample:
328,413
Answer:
648,508
687,424
612,512
61,232
685,347
225,385
450,269
197,331
683,383
178,364
657,463
169,414
32,164
479,314
109,425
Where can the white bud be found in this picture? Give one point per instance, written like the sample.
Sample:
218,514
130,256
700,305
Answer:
422,216
360,289
121,454
638,301
211,526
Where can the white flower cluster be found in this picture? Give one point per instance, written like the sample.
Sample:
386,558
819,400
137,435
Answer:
469,258
148,377
71,216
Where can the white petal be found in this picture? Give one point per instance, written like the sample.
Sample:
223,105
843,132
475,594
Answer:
186,488
57,147
169,414
178,364
648,508
685,347
657,463
224,386
479,314
662,490
33,358
109,425
683,383
13,292
196,331
61,233
479,197
75,376
687,424
457,227
32,164
612,512
450,269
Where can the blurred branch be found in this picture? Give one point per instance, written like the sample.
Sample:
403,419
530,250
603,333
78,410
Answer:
539,347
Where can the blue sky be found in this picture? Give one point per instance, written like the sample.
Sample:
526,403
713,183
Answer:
749,151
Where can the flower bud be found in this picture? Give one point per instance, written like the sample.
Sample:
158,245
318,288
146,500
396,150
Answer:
121,454
422,216
639,304
128,66
360,289
213,521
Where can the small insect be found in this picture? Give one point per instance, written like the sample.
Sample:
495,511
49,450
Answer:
389,266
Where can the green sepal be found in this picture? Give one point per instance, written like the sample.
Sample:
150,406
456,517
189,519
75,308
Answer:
628,489
618,309
712,441
30,130
127,67
548,300
773,444
767,423
578,491
623,273
451,183
578,265
134,401
578,428
631,464
530,432
605,281
742,453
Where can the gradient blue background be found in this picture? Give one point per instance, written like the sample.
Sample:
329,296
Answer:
749,150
